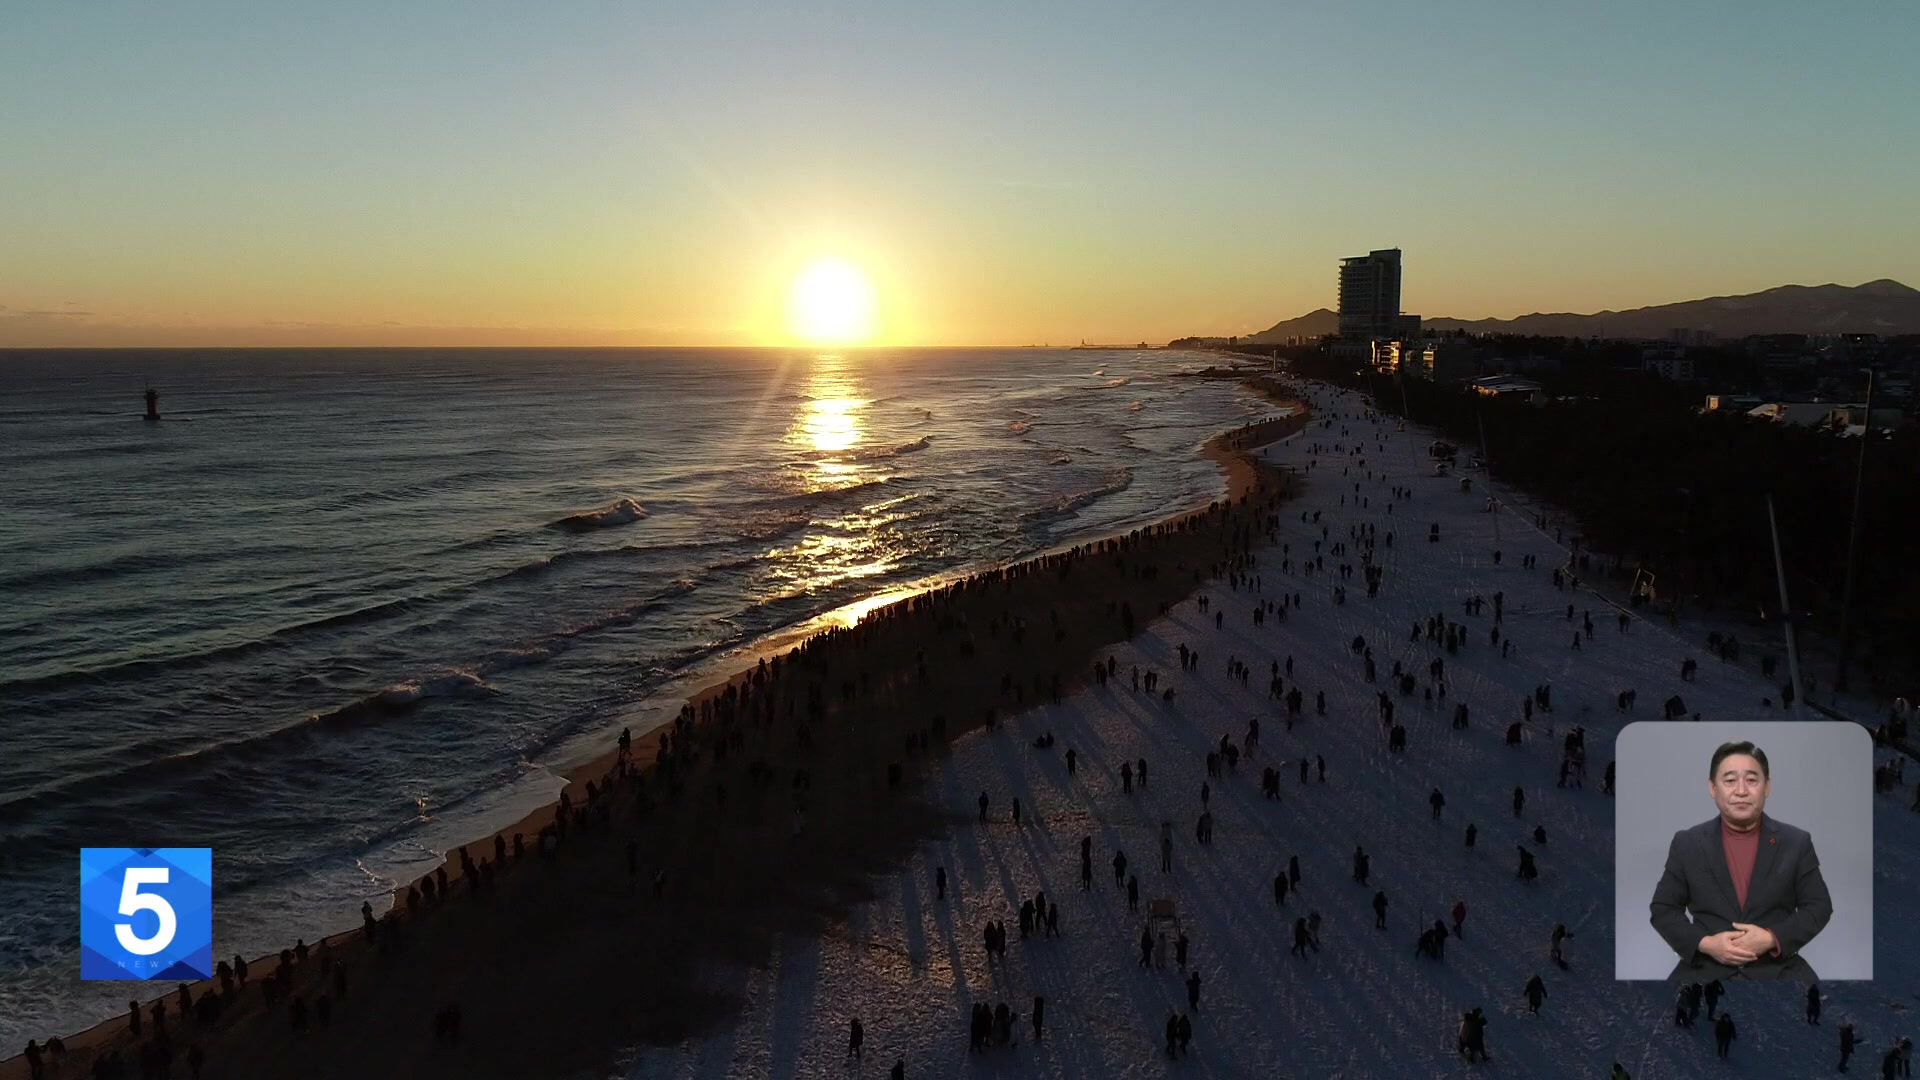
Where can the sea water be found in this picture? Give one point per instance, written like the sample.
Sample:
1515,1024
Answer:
341,609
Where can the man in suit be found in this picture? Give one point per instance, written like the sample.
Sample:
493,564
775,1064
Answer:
1751,883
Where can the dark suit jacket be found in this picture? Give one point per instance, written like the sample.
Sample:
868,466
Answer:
1786,895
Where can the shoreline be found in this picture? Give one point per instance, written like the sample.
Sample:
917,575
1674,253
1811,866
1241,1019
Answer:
716,882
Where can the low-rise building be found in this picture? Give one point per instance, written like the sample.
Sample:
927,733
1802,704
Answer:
1510,386
1805,413
1392,357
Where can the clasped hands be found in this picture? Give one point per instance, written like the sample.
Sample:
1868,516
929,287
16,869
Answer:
1741,945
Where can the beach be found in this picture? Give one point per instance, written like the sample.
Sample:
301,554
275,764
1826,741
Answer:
560,963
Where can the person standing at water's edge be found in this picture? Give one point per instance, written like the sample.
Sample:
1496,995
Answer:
1752,884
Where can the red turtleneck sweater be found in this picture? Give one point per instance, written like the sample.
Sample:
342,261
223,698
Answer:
1742,849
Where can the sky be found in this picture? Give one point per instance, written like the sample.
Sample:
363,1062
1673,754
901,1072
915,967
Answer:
274,173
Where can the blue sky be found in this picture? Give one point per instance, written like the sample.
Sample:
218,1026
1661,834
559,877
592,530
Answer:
1003,172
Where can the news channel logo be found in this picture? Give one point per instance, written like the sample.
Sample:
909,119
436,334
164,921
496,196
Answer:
146,913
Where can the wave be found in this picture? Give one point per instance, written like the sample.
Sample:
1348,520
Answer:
1136,406
402,493
771,524
1122,381
817,497
1116,481
507,659
811,459
393,700
128,669
1063,459
876,453
626,614
115,566
1019,427
749,527
274,639
403,696
624,512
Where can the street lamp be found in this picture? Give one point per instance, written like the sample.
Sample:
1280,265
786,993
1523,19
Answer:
1853,542
1786,612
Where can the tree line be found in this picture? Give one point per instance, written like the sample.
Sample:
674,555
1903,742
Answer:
1660,485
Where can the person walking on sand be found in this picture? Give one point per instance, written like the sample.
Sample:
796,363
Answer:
1723,1034
1039,1016
1193,990
1301,939
940,882
856,1035
1166,847
983,808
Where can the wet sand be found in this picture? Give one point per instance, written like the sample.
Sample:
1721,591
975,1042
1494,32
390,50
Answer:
564,963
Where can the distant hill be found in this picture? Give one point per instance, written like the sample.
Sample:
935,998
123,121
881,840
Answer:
1882,307
1311,325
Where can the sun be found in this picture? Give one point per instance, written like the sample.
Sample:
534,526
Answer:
831,302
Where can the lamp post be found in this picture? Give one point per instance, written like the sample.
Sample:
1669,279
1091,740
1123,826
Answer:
1853,543
1786,611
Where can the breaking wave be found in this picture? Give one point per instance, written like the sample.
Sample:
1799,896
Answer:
915,446
1116,481
624,512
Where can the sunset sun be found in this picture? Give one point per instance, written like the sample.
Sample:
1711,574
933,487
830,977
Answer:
831,302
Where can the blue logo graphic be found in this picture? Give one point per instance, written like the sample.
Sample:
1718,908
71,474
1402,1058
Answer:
146,913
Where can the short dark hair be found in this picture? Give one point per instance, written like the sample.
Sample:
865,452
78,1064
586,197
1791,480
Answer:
1727,750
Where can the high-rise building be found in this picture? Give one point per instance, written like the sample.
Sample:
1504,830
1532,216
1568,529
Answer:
1370,295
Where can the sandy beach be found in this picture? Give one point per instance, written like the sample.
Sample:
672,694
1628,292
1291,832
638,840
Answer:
784,790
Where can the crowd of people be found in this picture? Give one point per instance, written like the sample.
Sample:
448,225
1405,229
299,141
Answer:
750,748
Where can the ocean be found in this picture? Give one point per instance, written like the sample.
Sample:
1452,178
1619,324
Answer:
342,609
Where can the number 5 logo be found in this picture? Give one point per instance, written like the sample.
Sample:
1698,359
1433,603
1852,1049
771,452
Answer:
146,913
132,900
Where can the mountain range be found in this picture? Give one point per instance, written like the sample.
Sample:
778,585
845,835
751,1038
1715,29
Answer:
1882,307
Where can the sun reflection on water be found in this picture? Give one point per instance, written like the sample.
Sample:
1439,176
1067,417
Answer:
857,540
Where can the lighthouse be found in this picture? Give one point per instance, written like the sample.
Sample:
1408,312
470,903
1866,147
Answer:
153,404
